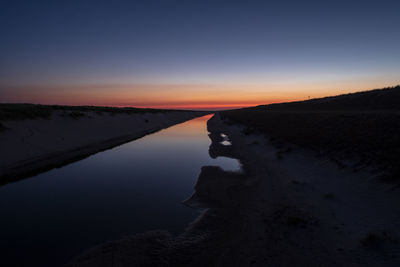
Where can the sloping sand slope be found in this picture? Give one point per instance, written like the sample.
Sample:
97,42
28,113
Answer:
34,145
306,211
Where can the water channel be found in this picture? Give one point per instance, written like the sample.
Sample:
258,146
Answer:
132,188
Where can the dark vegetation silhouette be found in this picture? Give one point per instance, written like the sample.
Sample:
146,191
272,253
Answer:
360,130
35,111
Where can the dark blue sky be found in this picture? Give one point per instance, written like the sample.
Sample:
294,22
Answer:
262,46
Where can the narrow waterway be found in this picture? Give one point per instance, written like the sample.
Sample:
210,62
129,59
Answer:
136,187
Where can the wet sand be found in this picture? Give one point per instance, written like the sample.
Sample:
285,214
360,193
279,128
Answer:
32,146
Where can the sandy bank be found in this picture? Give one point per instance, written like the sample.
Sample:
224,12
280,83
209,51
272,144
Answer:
34,145
306,211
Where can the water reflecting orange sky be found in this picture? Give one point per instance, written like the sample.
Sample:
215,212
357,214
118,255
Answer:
136,187
189,129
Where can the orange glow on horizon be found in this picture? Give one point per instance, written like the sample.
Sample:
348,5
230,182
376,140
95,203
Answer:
200,106
169,96
191,105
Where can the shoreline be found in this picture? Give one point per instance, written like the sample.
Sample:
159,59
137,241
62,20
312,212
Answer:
23,166
289,209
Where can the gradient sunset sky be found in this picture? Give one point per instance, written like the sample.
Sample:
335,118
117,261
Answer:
194,54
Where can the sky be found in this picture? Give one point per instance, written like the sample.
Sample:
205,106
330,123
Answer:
194,54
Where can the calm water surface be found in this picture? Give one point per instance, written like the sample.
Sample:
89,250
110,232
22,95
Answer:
136,187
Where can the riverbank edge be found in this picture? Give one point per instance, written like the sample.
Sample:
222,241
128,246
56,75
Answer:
36,165
200,244
283,211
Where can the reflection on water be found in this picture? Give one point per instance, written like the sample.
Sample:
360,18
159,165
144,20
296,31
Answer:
226,143
136,187
225,140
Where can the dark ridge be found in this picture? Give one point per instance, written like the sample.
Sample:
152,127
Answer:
35,111
2,127
360,130
378,99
